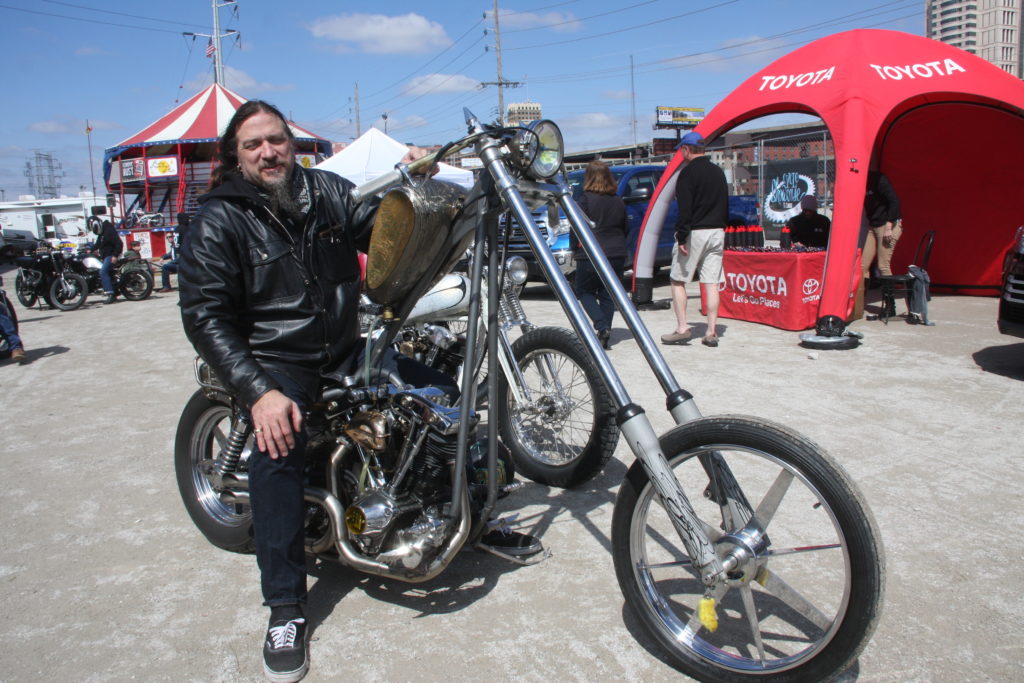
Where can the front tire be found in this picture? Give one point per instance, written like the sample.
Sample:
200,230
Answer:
202,431
136,285
565,432
801,607
69,293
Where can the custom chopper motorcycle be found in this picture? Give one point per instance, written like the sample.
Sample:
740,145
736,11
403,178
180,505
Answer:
131,277
554,413
771,568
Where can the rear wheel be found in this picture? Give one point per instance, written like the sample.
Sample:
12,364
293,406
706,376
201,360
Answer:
563,431
807,590
202,432
25,292
69,292
136,285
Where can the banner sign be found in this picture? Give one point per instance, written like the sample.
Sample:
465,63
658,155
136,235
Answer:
305,160
162,167
781,289
679,116
133,169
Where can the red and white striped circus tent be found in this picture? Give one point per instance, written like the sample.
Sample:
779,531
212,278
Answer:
167,164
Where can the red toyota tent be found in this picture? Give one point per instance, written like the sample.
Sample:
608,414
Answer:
944,125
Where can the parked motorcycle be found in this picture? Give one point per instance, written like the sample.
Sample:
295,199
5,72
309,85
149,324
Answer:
140,219
773,572
553,413
46,274
8,310
132,277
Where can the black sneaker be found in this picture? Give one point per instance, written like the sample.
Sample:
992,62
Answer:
512,542
285,659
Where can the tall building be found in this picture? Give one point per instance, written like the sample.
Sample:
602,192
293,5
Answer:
991,29
522,112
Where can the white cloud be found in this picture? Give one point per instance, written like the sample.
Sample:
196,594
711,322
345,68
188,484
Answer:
736,53
564,22
237,80
594,120
66,125
616,94
439,83
380,34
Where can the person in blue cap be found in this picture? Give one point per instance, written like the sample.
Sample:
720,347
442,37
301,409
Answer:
702,194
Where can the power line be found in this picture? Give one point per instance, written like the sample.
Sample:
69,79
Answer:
574,21
90,21
124,14
628,28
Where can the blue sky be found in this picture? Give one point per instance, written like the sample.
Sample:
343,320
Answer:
121,64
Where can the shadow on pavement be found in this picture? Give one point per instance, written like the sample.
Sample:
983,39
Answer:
1007,361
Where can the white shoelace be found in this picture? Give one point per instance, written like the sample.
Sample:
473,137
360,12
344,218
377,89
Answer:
284,636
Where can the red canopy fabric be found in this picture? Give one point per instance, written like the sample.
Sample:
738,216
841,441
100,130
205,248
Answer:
937,120
202,118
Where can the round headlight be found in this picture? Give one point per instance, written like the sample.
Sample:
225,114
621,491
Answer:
516,270
538,149
551,149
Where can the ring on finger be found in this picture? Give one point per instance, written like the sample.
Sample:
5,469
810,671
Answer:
258,430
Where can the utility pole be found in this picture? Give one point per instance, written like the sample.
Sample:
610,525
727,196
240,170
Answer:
632,98
213,49
359,125
501,82
88,136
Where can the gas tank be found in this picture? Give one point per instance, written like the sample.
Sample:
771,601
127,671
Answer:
449,298
91,262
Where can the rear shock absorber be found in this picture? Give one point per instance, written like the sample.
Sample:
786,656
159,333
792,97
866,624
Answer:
227,462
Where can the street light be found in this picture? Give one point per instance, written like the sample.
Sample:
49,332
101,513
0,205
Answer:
385,117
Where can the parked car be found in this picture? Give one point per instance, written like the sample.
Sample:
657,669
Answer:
1011,301
636,184
17,242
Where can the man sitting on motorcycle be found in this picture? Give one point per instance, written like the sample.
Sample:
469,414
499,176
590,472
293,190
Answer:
108,247
269,294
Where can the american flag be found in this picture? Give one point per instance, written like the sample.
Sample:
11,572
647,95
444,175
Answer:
210,49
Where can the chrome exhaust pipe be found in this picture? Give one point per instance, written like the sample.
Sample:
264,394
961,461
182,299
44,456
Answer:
239,495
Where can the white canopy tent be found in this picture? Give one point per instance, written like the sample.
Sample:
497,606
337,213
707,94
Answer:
374,153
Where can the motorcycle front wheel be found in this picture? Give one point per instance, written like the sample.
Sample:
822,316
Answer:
564,431
136,285
807,596
202,431
25,292
69,293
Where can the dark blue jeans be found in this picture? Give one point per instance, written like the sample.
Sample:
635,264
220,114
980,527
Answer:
593,296
278,510
106,279
276,486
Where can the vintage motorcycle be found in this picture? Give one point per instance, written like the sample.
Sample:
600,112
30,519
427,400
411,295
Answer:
140,219
132,277
774,571
553,413
46,274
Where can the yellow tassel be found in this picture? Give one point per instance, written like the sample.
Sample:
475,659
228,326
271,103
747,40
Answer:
707,614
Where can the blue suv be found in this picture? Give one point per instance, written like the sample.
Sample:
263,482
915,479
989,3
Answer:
636,184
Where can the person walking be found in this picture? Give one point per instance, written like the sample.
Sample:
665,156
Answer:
269,295
108,247
882,213
606,209
702,195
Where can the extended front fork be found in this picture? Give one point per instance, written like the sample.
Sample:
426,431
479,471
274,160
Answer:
633,422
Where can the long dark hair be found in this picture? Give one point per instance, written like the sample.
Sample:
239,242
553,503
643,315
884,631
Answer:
598,179
227,154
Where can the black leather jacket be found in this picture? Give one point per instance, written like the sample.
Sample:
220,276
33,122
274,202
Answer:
254,291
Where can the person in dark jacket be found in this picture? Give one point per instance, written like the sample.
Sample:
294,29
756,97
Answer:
108,247
269,294
702,194
882,208
169,261
608,212
809,228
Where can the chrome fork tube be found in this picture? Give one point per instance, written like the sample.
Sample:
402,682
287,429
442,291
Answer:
633,422
679,401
